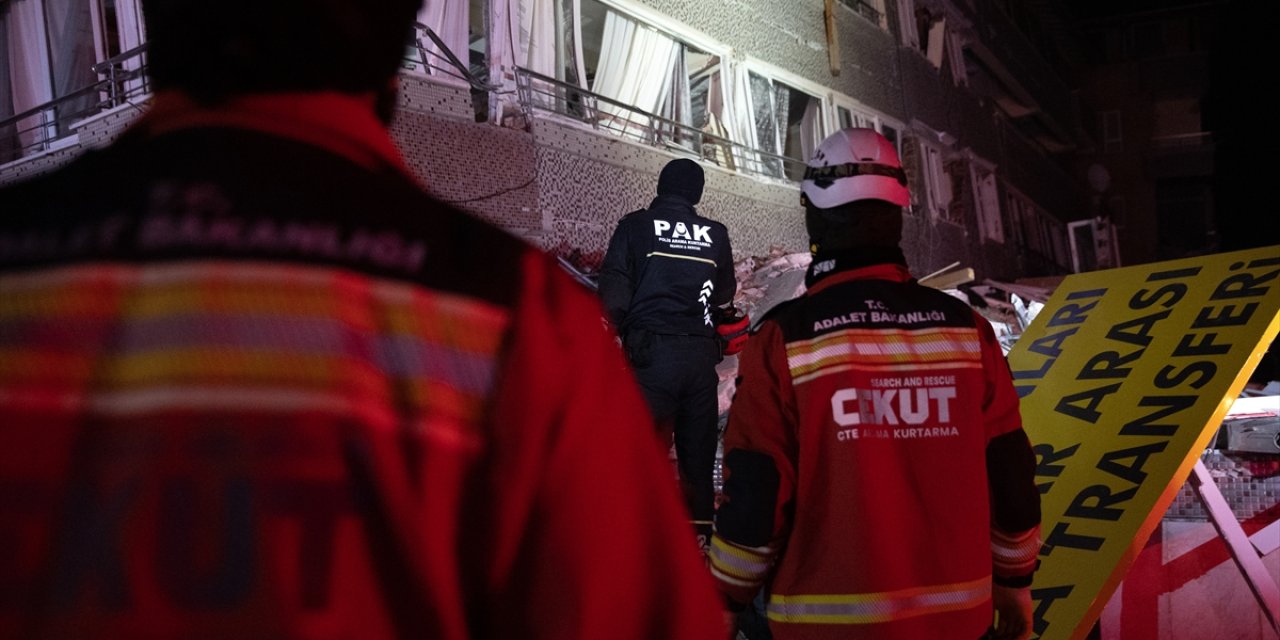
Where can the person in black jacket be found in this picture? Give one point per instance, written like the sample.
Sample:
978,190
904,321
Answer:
667,279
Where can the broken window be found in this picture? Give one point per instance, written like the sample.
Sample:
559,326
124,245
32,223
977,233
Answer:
849,117
788,123
453,22
986,200
643,70
957,180
937,182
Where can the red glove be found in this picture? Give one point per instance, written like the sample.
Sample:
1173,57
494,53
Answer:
733,329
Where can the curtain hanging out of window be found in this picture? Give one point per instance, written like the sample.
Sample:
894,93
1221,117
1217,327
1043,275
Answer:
451,20
635,68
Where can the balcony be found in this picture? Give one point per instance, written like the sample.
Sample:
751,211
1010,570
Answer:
1181,155
123,80
542,95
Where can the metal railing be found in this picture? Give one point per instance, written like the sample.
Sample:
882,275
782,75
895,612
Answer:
538,92
440,60
123,78
120,80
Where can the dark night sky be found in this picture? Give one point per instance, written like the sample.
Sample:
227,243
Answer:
1233,110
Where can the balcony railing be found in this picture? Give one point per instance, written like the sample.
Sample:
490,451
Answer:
540,93
123,79
427,49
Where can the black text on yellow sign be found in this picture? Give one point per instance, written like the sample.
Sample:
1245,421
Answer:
1124,377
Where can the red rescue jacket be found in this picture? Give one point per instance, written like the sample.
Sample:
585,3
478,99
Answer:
857,456
255,384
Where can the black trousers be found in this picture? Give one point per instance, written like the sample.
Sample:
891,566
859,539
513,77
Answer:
677,374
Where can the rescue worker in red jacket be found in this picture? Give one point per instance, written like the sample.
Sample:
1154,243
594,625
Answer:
878,481
254,383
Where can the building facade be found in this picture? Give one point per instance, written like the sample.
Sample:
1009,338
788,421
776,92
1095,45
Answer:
552,118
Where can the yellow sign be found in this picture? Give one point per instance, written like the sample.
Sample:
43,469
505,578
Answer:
1124,377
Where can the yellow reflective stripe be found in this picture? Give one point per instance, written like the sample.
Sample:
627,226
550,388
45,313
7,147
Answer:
741,562
1016,552
957,347
868,608
676,255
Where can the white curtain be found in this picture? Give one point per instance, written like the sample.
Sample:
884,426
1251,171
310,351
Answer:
449,19
522,34
572,49
738,116
129,19
538,36
677,106
132,35
30,75
8,143
635,68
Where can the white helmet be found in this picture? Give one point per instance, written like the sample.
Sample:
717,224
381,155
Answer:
855,164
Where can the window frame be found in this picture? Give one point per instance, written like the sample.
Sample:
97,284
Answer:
775,74
877,6
937,184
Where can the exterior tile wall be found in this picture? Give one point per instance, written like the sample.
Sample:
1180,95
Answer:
589,181
94,132
1250,483
787,34
487,170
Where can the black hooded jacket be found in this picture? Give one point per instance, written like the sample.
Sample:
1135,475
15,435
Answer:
667,270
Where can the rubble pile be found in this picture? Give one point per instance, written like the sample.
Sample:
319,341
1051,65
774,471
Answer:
763,282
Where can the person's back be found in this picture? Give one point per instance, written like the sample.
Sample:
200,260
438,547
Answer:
255,383
681,270
894,412
666,282
874,449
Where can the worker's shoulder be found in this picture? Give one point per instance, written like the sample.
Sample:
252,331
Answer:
632,217
779,313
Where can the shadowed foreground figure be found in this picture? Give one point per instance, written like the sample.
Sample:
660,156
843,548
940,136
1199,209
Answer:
254,383
878,481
